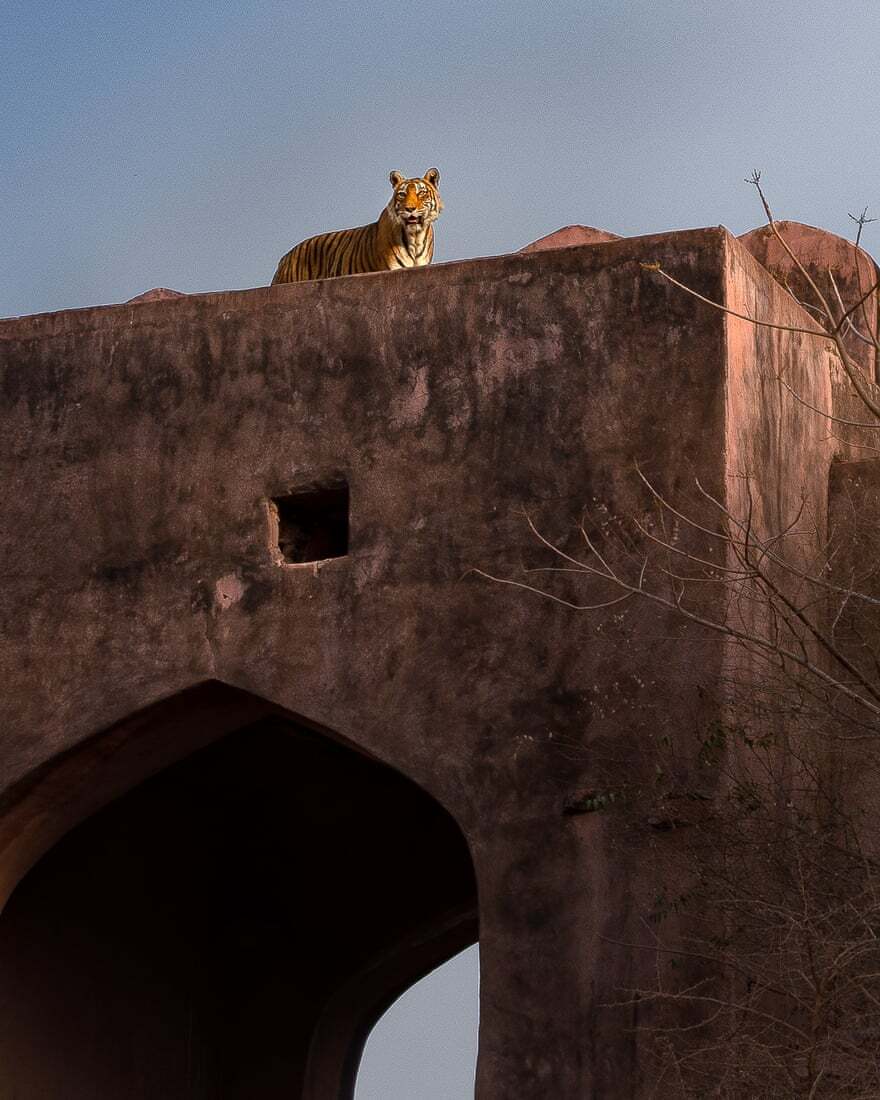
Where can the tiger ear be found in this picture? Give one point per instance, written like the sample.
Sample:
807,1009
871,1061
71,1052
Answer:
396,178
432,176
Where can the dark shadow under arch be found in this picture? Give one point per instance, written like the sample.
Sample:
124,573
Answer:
231,926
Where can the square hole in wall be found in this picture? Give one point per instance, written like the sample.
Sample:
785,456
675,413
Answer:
313,522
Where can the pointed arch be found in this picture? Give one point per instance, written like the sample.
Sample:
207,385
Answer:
222,899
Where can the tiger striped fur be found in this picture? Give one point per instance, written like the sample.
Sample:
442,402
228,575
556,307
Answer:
403,236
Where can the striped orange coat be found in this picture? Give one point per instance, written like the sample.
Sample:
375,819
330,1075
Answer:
403,236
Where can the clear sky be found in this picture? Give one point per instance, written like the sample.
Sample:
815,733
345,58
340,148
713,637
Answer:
425,1046
188,144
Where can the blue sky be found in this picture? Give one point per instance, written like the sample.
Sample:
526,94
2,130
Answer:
190,144
425,1046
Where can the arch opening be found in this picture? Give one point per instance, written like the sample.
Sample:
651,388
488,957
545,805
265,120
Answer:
230,927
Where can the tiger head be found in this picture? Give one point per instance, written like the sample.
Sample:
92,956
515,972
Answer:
416,202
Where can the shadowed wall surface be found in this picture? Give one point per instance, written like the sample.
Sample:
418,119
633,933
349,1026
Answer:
145,445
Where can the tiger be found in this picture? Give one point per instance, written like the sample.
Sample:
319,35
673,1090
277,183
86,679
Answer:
402,236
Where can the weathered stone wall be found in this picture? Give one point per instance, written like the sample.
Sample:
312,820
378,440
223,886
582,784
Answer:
142,445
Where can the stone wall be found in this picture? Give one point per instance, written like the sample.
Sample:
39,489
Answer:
148,451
